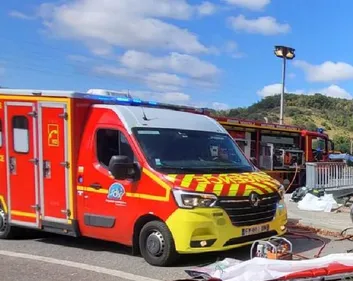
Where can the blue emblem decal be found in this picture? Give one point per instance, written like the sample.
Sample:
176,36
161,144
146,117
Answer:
116,191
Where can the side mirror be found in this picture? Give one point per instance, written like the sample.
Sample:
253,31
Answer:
122,168
253,160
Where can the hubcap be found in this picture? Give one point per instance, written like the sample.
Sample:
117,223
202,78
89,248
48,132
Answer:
3,221
155,243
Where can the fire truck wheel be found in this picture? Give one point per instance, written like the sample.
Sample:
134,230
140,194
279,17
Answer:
6,232
157,244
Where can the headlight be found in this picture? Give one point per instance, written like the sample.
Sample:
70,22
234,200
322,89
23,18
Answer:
281,191
191,200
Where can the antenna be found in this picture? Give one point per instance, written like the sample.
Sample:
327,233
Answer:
143,110
144,114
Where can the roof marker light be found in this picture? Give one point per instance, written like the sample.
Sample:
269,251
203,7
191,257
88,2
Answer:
137,101
124,99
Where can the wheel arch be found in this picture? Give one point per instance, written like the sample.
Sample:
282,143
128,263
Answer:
140,222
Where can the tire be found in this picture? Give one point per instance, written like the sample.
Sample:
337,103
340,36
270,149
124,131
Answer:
162,251
6,231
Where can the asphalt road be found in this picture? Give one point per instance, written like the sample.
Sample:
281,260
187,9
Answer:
43,257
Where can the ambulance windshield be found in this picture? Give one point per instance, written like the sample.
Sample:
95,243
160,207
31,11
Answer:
186,151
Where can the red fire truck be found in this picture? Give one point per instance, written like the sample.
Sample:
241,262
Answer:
147,175
279,150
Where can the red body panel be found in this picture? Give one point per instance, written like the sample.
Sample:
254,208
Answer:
53,149
126,211
3,162
22,177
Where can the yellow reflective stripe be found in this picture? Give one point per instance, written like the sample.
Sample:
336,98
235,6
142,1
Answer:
3,204
187,181
148,173
233,189
171,178
217,189
23,214
201,187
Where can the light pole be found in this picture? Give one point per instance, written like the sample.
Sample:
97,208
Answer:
286,53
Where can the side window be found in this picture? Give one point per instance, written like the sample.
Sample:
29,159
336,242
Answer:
20,134
0,133
112,142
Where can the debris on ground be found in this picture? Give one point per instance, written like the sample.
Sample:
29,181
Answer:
325,203
316,199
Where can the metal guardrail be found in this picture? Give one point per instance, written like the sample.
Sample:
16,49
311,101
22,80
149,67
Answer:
329,175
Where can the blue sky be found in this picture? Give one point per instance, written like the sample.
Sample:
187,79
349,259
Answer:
206,53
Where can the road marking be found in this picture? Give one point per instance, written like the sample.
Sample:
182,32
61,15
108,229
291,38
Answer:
83,266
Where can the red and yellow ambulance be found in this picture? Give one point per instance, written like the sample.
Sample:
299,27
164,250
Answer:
148,175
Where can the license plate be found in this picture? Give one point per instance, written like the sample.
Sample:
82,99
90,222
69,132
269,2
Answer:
255,229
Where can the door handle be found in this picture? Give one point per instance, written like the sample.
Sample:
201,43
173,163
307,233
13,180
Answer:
12,165
96,186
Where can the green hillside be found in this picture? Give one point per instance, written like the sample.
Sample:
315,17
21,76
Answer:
307,111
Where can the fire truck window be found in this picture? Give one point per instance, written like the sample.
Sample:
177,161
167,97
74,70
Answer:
0,133
112,142
20,134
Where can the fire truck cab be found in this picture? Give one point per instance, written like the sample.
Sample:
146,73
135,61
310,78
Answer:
147,175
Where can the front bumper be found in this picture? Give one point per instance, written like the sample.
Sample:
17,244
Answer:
210,229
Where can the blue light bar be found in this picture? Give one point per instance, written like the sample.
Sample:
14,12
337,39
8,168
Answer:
137,102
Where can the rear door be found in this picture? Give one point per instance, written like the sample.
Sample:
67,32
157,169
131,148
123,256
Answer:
22,162
53,159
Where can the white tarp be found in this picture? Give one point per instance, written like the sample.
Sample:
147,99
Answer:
324,203
261,269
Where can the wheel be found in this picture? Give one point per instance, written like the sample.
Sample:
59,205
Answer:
6,232
157,244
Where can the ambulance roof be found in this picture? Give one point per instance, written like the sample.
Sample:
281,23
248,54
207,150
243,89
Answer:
133,116
131,110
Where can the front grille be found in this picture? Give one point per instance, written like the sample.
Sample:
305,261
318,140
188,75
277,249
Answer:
242,213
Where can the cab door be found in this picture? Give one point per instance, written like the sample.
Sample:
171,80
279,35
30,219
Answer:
53,161
22,159
107,210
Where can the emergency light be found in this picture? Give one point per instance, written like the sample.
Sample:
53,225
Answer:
320,130
138,102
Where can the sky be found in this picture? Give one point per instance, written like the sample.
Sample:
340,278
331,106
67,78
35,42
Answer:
216,53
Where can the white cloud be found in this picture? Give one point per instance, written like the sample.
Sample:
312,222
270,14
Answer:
220,106
164,81
250,4
20,15
262,25
158,81
335,92
124,23
206,8
180,63
326,72
331,91
270,90
179,98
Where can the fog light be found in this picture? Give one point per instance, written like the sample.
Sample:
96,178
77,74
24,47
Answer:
283,227
203,243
